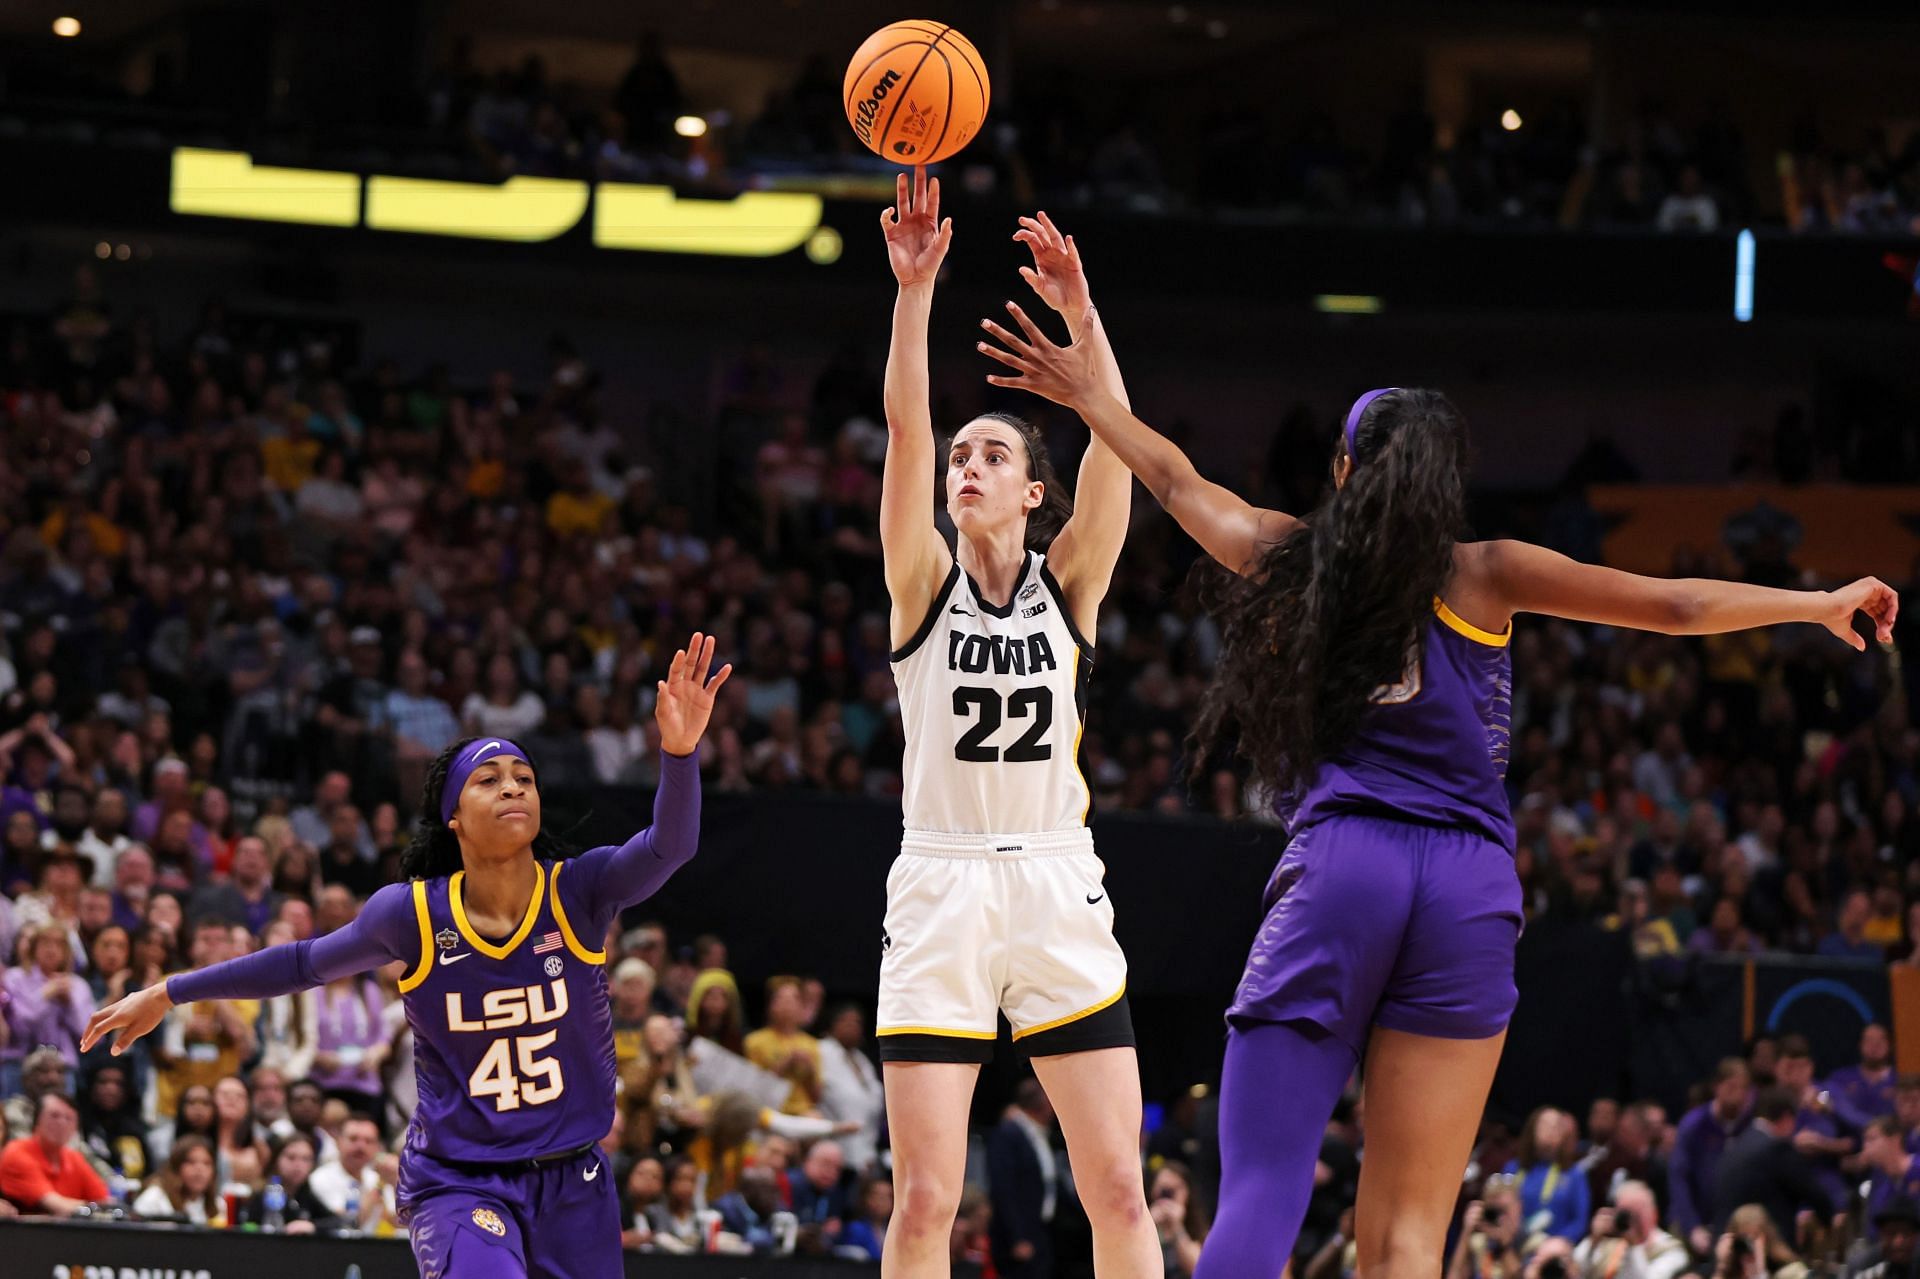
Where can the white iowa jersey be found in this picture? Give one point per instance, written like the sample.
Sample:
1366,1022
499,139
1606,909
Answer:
993,700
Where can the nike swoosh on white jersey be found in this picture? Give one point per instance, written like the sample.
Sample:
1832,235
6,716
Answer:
454,959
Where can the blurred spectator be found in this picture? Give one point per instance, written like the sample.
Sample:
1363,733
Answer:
643,1190
1554,1198
42,1173
1897,1252
47,1004
1700,1142
747,1211
1864,1092
1024,1181
1626,1240
671,1222
632,990
1753,1248
1689,207
353,1179
185,1188
850,1089
821,1200
1178,1218
866,1233
784,1049
1761,1167
111,1126
1491,1229
292,1164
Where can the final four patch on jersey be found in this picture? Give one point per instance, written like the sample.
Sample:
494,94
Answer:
488,1220
446,939
553,965
1030,590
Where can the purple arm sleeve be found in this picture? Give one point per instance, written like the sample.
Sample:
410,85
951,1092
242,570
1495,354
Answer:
384,930
610,878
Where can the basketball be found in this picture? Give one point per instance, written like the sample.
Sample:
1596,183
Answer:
916,92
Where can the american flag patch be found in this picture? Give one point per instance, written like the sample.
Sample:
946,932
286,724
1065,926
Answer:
550,942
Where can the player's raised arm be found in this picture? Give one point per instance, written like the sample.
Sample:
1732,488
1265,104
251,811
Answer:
385,930
610,878
1084,552
912,550
1229,528
1532,579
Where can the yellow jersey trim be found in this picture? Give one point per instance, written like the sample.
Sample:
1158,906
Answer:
935,1030
480,943
1108,1002
421,913
566,929
1468,629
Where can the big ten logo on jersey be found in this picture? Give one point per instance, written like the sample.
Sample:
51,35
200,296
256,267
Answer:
1035,608
513,1073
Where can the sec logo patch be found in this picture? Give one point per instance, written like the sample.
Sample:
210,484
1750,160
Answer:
488,1220
553,965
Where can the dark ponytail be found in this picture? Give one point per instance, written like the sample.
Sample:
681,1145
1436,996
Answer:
1336,609
433,850
1044,521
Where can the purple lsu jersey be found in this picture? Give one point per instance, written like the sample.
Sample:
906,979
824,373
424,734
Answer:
1433,747
513,1038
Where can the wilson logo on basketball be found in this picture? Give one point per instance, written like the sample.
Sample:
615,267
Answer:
868,107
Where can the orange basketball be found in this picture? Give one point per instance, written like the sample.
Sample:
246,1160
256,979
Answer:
916,92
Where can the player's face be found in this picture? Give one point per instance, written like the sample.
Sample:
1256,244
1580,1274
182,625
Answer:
499,806
987,484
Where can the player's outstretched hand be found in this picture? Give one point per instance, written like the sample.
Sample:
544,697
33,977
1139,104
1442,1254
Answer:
686,696
1869,595
917,239
1056,274
133,1017
1064,374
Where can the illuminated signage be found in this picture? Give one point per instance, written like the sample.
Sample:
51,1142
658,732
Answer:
227,184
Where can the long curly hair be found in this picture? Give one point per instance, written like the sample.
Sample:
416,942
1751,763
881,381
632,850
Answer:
433,850
1044,521
1339,606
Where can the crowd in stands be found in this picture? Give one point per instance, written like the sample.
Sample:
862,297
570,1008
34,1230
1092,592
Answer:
1064,141
1661,170
249,588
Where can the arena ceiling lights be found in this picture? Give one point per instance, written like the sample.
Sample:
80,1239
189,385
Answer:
651,219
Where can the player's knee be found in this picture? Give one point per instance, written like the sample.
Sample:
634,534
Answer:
924,1205
1113,1197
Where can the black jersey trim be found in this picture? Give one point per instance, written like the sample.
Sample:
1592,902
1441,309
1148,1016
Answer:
1066,614
906,650
1002,610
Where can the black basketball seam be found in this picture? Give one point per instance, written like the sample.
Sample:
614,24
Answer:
848,105
907,87
986,90
946,117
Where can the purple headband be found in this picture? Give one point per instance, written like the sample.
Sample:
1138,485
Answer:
466,761
1355,413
